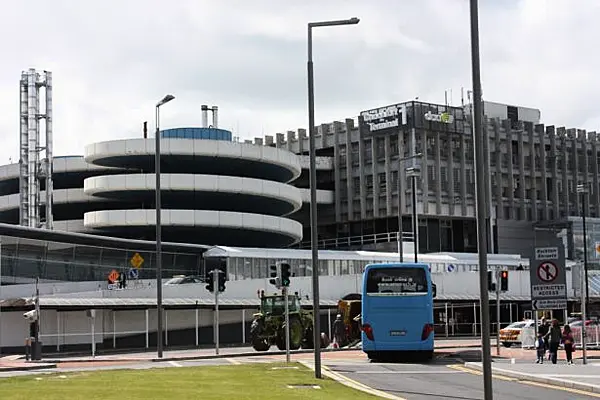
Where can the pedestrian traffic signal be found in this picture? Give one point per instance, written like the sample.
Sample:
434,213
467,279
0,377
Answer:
210,280
275,281
490,283
286,272
221,281
504,281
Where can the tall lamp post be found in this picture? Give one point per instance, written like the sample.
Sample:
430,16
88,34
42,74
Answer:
159,327
584,190
482,207
413,172
313,188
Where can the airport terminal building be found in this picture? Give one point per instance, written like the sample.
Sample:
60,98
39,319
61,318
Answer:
534,171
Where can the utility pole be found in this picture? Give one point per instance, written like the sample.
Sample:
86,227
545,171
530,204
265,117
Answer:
481,205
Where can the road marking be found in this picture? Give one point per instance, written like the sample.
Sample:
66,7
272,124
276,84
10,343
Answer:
526,382
361,386
344,380
564,389
474,372
415,372
233,361
175,364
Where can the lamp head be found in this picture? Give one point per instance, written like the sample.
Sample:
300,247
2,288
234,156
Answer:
165,99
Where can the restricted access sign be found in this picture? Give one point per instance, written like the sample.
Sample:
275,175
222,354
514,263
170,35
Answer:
548,278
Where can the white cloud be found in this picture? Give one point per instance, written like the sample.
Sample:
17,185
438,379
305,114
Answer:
112,60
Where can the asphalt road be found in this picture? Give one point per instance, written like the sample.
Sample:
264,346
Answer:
445,379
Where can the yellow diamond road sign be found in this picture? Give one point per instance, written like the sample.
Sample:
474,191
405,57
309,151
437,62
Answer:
137,260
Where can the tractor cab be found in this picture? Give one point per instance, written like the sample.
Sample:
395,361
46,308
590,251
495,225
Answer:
275,305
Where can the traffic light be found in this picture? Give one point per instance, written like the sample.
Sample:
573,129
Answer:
285,274
210,280
491,284
274,275
504,281
222,278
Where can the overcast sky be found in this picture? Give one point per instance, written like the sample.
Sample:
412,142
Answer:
112,60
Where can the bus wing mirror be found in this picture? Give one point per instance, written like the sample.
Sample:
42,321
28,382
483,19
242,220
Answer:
434,289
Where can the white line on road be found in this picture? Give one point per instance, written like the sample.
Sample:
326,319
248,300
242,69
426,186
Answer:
233,361
406,372
175,364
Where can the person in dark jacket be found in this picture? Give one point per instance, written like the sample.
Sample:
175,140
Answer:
554,336
543,330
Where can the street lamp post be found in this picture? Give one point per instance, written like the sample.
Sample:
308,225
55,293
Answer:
482,207
583,189
313,189
413,173
159,328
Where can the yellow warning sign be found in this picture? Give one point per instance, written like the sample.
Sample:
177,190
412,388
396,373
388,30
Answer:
137,261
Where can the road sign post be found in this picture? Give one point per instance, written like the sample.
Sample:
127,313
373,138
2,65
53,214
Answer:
215,273
287,324
583,316
548,278
497,311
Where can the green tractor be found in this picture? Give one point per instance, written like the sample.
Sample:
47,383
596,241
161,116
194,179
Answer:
268,326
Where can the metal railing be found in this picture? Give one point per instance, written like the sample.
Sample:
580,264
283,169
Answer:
351,241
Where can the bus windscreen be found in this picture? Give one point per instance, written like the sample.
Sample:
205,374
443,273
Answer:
396,281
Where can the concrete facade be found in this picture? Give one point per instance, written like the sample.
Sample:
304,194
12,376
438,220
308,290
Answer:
534,170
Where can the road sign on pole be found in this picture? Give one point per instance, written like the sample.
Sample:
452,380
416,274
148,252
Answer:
548,278
136,261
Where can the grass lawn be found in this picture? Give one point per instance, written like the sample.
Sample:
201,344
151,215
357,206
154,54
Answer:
231,382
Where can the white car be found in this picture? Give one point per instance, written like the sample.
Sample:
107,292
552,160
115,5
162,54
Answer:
512,333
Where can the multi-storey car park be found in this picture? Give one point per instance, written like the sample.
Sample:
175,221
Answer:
214,190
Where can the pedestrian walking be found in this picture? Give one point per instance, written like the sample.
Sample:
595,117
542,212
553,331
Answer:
339,331
554,336
544,327
568,343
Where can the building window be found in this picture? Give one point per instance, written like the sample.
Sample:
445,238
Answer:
444,178
431,175
382,184
356,184
343,189
369,184
457,179
394,181
431,146
444,150
342,153
394,146
380,148
355,155
469,152
368,151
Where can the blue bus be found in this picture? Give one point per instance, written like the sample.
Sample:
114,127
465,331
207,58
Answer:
397,310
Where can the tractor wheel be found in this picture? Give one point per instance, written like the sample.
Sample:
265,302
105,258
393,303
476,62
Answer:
258,343
280,340
308,342
296,332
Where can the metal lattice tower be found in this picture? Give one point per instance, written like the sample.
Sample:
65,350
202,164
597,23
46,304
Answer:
35,159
